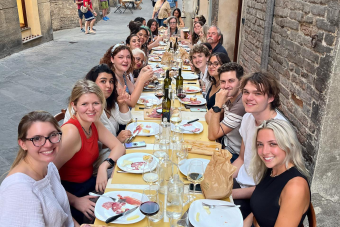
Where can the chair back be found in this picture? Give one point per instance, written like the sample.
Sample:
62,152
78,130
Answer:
60,116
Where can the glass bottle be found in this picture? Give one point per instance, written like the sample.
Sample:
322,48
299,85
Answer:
166,105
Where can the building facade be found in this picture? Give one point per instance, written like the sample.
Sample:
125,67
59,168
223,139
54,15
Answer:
23,24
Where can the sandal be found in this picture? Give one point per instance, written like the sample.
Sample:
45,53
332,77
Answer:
92,32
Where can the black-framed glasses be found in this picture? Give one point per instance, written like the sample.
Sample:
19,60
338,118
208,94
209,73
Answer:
40,141
215,64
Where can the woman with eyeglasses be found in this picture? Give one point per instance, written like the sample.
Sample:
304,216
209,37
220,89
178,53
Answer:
133,41
177,13
173,29
79,150
31,194
139,57
120,59
161,11
214,62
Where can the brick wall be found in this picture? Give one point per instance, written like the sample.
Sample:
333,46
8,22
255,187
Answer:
303,70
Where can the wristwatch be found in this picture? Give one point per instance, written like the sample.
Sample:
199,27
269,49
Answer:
216,109
110,161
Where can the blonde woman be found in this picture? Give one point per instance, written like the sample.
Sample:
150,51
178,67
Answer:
161,11
282,194
31,194
79,149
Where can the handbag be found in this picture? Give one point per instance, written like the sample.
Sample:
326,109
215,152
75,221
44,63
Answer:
218,176
156,14
84,9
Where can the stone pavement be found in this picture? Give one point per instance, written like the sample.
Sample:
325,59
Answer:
41,78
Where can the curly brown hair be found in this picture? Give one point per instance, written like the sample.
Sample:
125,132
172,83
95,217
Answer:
266,83
106,59
198,48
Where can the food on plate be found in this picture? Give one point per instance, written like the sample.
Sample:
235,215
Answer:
119,208
151,86
158,70
197,217
191,89
126,162
154,114
143,100
137,165
193,99
206,208
196,130
187,125
138,128
147,158
132,217
146,130
107,205
130,200
189,147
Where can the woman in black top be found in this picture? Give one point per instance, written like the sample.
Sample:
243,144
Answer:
282,196
215,61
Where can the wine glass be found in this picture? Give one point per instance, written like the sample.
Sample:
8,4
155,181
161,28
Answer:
150,172
195,174
159,93
181,93
160,150
182,153
149,205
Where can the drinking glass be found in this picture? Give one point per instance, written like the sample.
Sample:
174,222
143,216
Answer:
176,116
195,174
148,103
182,153
150,172
149,205
181,93
160,150
159,92
174,205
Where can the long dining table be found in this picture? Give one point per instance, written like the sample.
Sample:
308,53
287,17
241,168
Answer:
134,182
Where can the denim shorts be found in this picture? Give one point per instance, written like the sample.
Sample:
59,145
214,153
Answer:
80,14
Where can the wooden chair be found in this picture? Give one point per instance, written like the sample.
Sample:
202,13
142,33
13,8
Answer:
60,116
310,215
137,3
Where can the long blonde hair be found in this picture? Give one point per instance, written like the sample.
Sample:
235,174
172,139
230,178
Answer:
287,140
85,87
25,124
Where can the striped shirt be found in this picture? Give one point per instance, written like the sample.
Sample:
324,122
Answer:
233,114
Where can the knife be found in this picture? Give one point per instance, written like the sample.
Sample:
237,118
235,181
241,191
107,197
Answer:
189,122
113,218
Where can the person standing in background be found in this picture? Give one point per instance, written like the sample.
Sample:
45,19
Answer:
80,14
173,4
161,11
89,17
105,6
153,2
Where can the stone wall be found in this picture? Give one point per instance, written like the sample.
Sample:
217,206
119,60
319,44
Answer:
10,33
64,13
303,70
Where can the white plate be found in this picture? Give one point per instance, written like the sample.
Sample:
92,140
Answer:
193,89
203,101
102,214
148,97
184,167
153,130
188,128
155,60
221,216
159,48
135,157
189,76
186,67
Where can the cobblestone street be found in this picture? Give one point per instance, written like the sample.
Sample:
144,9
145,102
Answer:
41,78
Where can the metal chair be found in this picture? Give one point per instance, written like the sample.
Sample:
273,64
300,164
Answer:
118,6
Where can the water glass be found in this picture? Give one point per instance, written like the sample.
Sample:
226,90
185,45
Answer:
150,172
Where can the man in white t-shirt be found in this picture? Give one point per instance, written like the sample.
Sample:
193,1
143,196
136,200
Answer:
260,97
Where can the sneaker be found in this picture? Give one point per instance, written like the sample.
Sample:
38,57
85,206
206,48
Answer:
107,18
82,29
104,18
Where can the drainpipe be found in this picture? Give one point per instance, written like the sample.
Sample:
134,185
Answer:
267,34
210,12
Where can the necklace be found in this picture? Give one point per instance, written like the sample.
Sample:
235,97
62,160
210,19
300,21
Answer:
87,133
41,176
271,173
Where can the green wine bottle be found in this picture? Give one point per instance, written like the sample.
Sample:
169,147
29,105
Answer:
176,45
179,79
170,46
166,106
167,80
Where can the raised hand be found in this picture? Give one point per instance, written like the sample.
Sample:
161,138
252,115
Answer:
123,96
222,97
146,73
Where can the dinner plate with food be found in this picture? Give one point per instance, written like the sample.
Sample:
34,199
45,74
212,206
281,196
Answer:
155,58
135,162
202,216
195,127
125,200
150,87
146,99
192,100
192,89
189,76
159,48
144,128
186,68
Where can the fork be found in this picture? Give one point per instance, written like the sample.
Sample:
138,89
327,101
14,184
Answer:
225,205
94,194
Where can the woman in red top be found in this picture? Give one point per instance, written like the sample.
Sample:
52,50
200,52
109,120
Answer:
79,149
89,18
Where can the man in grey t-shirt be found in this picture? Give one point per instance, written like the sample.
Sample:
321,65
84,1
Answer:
226,123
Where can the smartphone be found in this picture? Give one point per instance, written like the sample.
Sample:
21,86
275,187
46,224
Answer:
135,145
197,189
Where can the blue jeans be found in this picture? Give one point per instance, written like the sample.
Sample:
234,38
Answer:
160,22
235,156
